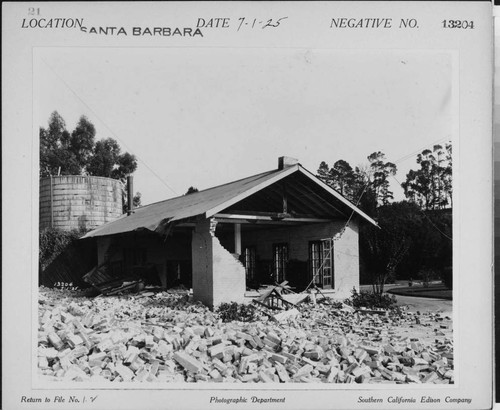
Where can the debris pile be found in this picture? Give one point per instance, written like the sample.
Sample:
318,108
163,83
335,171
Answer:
163,337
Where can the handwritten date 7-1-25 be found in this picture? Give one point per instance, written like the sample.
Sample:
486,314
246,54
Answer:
259,23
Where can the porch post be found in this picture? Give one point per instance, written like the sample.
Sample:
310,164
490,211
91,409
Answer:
202,258
237,239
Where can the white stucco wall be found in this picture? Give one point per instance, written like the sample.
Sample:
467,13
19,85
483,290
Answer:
346,262
217,275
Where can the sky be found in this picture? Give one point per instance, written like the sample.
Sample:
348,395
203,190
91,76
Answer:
206,116
496,111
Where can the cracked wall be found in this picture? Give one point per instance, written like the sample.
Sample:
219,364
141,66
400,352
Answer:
217,275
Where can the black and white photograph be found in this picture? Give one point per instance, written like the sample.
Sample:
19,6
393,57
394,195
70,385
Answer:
259,220
232,262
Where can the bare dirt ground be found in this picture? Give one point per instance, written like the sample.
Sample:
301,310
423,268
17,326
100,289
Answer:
439,308
414,304
164,337
424,306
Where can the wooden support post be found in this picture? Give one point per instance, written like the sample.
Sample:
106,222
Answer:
237,238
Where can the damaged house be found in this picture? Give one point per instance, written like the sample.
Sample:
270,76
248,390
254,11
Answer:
279,225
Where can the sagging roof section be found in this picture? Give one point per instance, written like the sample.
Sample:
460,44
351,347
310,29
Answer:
206,203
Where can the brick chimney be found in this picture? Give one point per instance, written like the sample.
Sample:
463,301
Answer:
284,162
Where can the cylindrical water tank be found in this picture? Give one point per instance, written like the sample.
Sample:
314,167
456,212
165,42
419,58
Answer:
79,202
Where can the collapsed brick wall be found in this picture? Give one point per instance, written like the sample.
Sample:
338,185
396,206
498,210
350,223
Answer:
217,275
229,276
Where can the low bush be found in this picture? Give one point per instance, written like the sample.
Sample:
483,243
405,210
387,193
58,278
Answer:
235,311
53,242
371,300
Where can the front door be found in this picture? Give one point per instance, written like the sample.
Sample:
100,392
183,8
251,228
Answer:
320,262
250,264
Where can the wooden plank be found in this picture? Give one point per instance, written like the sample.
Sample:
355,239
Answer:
246,219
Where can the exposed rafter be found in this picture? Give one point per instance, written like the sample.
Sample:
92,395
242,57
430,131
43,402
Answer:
320,200
296,197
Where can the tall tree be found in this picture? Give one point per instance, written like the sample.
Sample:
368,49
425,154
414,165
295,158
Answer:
126,165
380,172
343,178
447,176
56,129
364,195
354,184
104,158
77,153
430,186
324,173
82,141
107,161
55,155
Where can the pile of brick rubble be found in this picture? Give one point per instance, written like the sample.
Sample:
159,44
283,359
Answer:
163,337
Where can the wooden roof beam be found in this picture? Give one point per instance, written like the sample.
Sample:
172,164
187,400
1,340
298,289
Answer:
297,196
243,218
342,199
271,214
321,199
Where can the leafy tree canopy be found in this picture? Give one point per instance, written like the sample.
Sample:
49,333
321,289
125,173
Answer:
430,186
380,172
136,201
367,187
77,153
191,190
414,236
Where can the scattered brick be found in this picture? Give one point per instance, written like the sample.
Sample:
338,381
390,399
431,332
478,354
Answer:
162,337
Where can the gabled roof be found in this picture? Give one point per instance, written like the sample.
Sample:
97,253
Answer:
155,217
